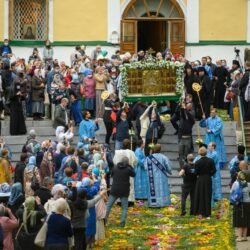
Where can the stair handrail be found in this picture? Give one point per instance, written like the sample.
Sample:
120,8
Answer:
241,122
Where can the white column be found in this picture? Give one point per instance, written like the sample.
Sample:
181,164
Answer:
192,21
113,18
51,20
248,21
6,19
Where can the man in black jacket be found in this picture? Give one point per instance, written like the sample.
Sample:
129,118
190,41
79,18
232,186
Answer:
44,192
185,132
243,85
120,187
61,116
19,169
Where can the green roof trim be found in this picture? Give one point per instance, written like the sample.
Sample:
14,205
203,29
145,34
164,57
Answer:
152,98
74,43
59,43
218,42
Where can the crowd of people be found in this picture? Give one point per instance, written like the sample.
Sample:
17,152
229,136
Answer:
70,190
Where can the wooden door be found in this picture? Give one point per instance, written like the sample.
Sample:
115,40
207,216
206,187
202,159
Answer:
128,36
177,36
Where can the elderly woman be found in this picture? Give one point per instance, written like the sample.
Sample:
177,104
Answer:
47,166
100,77
205,169
59,227
90,92
8,223
31,177
16,197
37,95
58,191
30,214
64,137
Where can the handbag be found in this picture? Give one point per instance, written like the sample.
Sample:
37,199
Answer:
34,182
42,234
230,96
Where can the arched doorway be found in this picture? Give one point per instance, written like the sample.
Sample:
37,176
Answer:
156,24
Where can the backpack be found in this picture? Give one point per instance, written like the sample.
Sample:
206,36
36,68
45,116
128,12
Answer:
236,196
247,91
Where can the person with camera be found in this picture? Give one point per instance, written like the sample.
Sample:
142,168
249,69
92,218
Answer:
122,126
34,55
153,125
8,223
187,121
17,101
87,129
61,115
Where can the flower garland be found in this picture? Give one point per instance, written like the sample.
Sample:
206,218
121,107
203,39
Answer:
152,64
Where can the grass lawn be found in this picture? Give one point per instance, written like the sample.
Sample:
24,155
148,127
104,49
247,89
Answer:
164,229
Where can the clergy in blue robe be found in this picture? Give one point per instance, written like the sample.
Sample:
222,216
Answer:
214,128
87,129
158,168
141,177
216,179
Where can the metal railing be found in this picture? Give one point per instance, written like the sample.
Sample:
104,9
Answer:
242,122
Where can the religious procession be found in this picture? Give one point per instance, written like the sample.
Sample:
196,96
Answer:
135,135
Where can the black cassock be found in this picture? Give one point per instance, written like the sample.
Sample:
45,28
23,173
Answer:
205,169
17,121
220,87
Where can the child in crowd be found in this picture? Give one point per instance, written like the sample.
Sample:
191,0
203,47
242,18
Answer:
69,176
188,187
82,172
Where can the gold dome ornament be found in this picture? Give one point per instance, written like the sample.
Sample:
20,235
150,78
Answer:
196,87
105,95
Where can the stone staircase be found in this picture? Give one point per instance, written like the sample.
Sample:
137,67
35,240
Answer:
247,136
169,143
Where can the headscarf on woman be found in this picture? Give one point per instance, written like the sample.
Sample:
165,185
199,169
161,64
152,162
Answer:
97,157
32,163
29,212
16,192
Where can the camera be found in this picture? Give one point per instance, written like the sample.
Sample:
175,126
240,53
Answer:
237,51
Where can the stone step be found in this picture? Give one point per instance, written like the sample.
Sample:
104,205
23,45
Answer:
177,181
39,125
177,190
224,173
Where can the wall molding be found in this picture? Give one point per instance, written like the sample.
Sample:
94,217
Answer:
219,42
58,43
6,19
51,20
126,2
248,21
193,21
113,18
